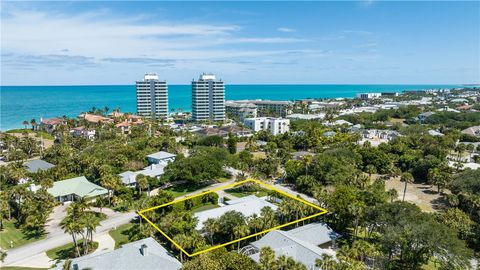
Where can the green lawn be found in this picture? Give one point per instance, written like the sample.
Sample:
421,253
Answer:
14,235
180,190
20,268
67,251
119,234
241,194
39,134
205,207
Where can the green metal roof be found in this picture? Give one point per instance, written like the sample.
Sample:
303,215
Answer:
79,186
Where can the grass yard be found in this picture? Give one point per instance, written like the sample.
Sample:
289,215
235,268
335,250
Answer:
180,190
20,268
238,193
38,134
119,234
14,235
68,251
205,207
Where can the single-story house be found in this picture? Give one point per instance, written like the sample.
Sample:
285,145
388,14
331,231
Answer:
161,157
472,131
433,132
301,154
78,187
423,116
304,244
340,122
36,165
248,206
129,178
142,254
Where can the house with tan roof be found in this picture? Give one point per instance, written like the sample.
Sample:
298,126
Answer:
93,118
51,124
472,131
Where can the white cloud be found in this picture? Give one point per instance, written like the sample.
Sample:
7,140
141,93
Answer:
286,29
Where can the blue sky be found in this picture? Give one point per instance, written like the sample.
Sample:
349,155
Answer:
367,42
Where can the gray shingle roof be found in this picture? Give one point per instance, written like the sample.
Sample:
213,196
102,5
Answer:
130,257
285,244
34,166
314,233
161,155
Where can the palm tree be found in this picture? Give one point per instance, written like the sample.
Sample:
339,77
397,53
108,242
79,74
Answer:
392,194
255,223
25,123
110,182
407,178
91,223
267,259
33,123
71,226
142,182
326,262
211,227
240,231
307,160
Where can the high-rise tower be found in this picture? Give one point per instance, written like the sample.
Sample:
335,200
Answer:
208,98
152,97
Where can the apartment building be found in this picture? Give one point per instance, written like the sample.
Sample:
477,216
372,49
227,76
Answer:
152,96
274,125
208,98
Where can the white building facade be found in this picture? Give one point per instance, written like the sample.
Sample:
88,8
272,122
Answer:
152,97
208,98
274,125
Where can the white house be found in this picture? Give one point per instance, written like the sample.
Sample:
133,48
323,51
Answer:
83,132
161,157
274,125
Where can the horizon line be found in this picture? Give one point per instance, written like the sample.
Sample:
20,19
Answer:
176,84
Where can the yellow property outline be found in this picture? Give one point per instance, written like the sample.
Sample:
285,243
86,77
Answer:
267,186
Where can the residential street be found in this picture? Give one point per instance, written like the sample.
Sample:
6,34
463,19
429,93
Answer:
23,256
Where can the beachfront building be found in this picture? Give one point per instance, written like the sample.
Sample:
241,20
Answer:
274,125
240,111
142,254
269,107
367,96
224,131
74,188
304,244
95,118
208,98
152,96
51,124
84,132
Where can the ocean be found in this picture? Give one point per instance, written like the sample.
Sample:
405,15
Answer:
19,103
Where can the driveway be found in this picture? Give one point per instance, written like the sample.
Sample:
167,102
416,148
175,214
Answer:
24,255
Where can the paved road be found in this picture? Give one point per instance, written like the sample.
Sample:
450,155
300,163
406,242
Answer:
58,238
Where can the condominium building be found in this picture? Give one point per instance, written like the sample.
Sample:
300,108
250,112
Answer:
269,107
240,111
208,98
366,96
274,125
152,97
